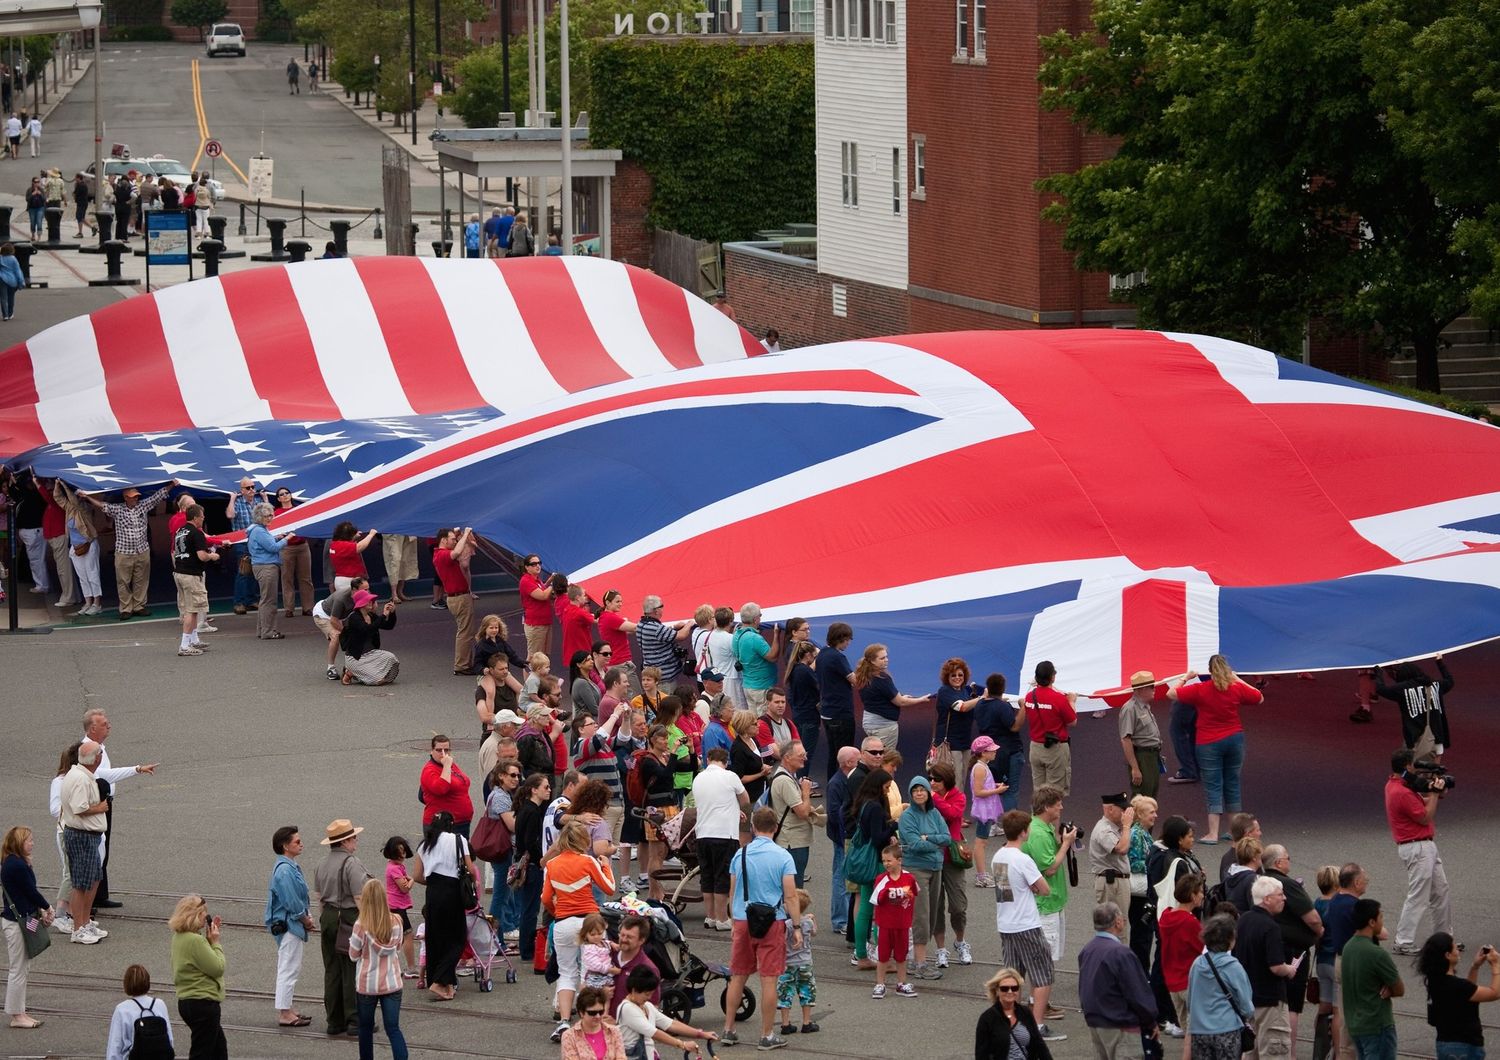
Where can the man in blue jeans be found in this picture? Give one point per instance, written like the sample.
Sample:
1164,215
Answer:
1368,982
241,507
835,798
1184,729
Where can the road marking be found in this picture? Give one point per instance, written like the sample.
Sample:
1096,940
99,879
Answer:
203,132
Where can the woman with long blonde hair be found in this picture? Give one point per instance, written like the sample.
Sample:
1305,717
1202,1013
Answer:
375,948
1221,737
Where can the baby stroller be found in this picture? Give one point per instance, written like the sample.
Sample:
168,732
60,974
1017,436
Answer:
482,950
680,834
685,977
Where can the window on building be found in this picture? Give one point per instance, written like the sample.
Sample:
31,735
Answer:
840,28
849,154
802,15
897,173
962,40
979,29
828,18
864,21
919,167
890,21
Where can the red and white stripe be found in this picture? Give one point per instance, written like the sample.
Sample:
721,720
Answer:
355,339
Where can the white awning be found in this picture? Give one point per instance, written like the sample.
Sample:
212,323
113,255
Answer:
21,17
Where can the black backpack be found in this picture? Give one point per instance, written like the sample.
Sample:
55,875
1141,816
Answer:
151,1039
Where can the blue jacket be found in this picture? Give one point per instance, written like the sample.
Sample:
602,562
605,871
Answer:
264,548
1112,985
1208,1008
916,852
834,797
287,898
10,272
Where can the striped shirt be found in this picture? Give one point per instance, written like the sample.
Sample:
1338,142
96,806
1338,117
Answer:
658,640
595,759
130,523
377,968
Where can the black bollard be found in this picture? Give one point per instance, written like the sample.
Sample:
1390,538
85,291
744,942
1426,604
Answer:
217,226
24,251
298,249
441,248
54,224
340,231
105,219
379,233
211,249
277,225
5,212
242,220
113,251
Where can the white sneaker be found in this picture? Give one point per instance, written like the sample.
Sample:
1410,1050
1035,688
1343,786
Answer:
63,923
965,955
671,863
644,881
94,929
201,645
83,937
1173,1031
726,925
189,651
941,960
204,627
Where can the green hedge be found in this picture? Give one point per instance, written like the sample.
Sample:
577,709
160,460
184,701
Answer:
1473,409
725,130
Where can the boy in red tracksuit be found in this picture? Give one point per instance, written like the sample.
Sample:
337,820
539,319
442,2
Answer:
894,898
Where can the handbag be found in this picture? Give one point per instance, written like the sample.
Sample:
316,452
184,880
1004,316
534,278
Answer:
244,567
515,878
759,916
468,889
1247,1032
938,752
960,856
34,934
491,840
861,864
346,932
81,550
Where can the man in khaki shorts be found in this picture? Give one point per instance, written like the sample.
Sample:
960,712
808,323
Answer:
191,556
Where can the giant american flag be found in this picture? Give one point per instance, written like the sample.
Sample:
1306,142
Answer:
1111,500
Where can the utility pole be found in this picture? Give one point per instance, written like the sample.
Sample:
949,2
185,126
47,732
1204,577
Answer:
411,70
567,130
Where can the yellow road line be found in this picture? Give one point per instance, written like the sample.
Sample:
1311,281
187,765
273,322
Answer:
203,133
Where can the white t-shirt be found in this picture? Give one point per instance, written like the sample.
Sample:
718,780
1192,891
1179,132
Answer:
721,654
636,1023
551,823
716,793
442,859
1015,905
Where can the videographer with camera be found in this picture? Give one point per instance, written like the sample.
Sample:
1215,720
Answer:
1411,801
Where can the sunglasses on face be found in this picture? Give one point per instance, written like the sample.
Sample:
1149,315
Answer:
594,1012
1009,989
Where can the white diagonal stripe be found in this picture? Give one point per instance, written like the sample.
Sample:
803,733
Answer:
347,339
213,376
615,313
69,376
491,335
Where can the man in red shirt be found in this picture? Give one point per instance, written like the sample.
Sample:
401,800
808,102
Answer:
452,549
445,787
536,607
1410,817
1049,714
577,624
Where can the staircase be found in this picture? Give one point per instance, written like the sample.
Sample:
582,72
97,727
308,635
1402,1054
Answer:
1468,362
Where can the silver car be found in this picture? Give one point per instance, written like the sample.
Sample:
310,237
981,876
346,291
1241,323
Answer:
224,37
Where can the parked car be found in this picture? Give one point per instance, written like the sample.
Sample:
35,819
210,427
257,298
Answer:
226,37
156,166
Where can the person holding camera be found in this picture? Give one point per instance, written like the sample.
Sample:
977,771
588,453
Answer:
1411,802
1109,853
288,918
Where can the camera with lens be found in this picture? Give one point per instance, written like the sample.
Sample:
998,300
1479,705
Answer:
1420,776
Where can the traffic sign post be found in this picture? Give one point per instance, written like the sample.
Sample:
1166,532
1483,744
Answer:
213,149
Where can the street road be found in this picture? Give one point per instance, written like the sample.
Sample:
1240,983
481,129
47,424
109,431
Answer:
319,148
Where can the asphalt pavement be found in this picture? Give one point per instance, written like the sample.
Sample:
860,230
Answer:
252,735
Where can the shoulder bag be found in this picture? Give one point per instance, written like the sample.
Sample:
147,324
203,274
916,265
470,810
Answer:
1247,1032
34,935
862,863
759,916
491,840
468,887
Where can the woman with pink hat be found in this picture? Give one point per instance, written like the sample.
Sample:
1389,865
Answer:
365,660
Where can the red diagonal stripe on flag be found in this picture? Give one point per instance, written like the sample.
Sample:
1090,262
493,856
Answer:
424,351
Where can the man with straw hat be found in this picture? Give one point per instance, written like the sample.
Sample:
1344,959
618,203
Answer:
1140,737
339,880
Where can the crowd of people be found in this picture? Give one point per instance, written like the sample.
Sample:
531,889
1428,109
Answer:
584,771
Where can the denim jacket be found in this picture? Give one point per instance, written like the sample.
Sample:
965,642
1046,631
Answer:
287,898
264,548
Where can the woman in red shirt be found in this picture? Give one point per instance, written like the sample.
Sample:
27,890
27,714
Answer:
1221,738
615,630
345,551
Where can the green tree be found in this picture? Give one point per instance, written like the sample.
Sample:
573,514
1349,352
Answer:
1258,182
481,88
198,13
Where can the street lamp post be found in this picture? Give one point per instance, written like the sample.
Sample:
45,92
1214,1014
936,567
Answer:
90,14
567,129
411,70
378,115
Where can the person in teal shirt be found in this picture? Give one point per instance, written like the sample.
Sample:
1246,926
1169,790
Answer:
757,657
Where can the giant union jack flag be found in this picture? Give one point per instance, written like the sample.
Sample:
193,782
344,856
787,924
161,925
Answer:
1110,500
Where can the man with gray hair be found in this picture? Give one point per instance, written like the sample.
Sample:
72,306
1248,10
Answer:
83,810
265,563
1258,948
96,727
792,800
1116,998
1301,926
755,656
660,643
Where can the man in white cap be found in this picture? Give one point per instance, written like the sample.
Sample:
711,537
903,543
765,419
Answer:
339,880
505,726
1140,737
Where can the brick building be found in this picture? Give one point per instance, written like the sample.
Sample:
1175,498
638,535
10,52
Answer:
930,142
